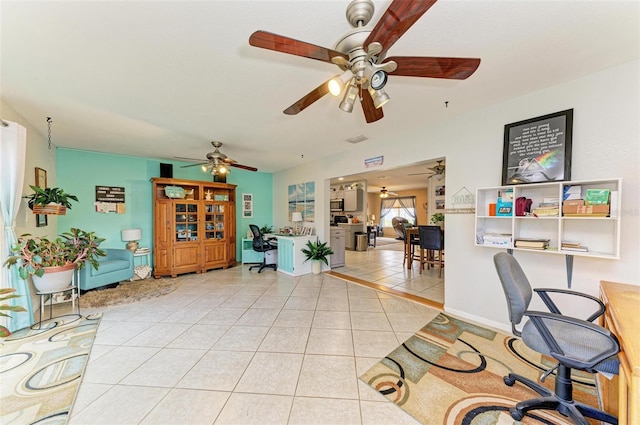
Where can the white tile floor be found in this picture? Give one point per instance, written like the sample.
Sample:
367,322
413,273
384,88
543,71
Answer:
383,265
237,347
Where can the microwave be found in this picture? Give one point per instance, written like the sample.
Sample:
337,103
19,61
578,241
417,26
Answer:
336,204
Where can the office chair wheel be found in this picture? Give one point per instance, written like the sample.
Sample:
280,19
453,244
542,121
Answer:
516,414
509,381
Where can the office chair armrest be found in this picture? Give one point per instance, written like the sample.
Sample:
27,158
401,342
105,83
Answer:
538,319
544,295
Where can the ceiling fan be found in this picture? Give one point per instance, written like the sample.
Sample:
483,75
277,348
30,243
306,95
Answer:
217,163
437,171
384,193
360,54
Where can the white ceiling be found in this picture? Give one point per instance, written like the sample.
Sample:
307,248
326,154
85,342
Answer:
163,78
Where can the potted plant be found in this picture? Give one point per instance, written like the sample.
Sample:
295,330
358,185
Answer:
51,262
50,200
317,251
437,219
6,294
266,229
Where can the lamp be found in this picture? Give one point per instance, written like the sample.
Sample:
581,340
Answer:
349,96
131,236
380,97
296,217
438,176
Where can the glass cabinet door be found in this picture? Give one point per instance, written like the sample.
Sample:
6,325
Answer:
186,219
214,221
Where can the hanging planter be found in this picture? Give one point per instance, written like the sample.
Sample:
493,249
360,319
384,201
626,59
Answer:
50,200
51,209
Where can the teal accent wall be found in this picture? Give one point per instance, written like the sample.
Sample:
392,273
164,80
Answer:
79,172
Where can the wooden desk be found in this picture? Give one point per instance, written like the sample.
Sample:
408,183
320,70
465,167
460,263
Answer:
621,395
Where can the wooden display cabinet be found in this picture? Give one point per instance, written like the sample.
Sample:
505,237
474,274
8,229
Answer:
194,226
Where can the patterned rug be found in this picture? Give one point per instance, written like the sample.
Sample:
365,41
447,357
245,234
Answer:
41,369
128,292
450,372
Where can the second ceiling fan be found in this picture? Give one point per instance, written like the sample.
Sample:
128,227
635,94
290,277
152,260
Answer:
360,54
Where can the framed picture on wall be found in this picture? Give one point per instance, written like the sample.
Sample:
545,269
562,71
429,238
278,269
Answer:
41,220
538,149
41,178
247,205
41,182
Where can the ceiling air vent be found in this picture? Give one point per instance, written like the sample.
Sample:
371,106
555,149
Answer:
357,139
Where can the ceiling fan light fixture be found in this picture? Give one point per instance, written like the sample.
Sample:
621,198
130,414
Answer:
380,97
378,80
350,96
336,84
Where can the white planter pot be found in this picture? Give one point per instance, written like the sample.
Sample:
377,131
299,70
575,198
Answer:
54,279
316,267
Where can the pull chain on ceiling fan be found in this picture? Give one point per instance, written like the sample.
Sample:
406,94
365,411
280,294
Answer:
360,54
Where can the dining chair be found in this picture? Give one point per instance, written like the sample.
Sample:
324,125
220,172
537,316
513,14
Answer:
410,236
431,241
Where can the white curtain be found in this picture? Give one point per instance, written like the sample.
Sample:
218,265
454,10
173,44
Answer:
13,147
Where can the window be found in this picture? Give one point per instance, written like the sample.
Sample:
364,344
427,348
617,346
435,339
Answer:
404,207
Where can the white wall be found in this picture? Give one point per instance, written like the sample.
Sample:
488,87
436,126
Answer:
606,144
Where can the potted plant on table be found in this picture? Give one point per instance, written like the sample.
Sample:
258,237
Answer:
50,200
51,263
317,251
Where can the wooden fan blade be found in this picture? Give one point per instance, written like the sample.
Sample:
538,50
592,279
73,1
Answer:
280,43
396,20
371,113
244,167
194,165
308,99
432,67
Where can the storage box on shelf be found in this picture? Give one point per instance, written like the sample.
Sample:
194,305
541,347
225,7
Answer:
596,226
194,226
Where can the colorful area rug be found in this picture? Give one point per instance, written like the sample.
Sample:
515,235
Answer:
41,369
451,372
128,292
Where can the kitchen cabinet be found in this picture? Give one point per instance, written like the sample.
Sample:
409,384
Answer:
194,226
350,234
353,200
337,244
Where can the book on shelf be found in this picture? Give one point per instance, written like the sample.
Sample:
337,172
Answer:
570,244
532,243
575,248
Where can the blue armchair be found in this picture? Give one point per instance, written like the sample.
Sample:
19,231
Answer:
115,267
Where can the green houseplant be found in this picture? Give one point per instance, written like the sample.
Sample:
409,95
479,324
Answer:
37,256
6,294
317,251
437,219
40,200
266,229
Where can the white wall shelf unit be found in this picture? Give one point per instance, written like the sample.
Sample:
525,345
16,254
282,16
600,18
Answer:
600,234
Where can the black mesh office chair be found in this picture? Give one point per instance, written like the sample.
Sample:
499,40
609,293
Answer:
431,247
260,245
574,343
